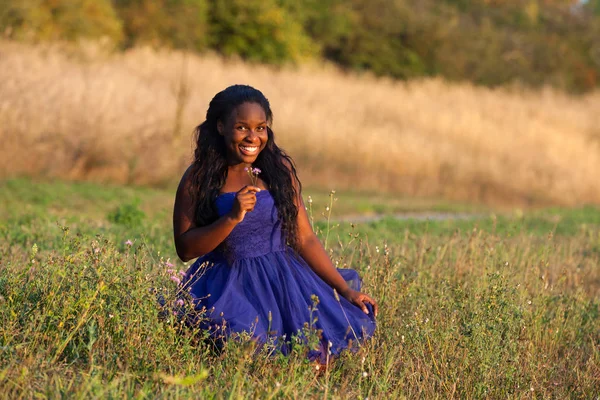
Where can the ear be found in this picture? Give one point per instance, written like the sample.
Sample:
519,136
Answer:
220,127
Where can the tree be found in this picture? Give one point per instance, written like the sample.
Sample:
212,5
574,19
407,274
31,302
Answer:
172,23
258,30
60,19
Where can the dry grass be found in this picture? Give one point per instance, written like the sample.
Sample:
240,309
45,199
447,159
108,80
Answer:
87,114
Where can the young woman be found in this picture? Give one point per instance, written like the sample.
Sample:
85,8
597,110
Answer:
261,269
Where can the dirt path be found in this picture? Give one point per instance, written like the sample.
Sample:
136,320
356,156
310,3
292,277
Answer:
417,216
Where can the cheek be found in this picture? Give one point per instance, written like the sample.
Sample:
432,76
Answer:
234,138
264,138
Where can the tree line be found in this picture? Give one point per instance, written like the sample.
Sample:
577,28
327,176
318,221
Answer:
488,42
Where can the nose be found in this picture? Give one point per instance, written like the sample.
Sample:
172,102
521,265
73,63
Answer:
252,135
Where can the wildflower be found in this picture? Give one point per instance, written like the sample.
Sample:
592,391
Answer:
253,174
309,200
365,374
176,279
277,385
182,273
129,243
170,271
169,264
179,302
326,208
96,250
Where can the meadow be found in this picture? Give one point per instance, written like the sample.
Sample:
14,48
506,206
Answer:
86,113
502,305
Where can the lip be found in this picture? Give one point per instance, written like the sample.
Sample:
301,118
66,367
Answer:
249,150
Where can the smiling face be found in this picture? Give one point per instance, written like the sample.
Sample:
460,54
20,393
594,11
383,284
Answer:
245,133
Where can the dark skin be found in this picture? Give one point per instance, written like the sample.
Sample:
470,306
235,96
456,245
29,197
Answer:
245,134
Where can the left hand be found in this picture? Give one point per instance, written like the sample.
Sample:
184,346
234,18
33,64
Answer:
360,299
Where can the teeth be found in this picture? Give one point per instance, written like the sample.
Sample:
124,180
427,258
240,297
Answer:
249,149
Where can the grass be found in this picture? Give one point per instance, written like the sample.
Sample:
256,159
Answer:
87,114
503,306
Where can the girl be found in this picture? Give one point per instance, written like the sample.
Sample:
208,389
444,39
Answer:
261,269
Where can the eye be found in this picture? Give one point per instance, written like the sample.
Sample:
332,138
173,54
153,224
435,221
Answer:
241,128
261,128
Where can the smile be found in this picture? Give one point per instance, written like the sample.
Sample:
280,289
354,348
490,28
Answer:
249,150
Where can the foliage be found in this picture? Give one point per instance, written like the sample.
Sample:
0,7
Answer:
487,42
127,214
258,31
60,19
175,23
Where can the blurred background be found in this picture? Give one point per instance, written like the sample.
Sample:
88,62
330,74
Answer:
477,101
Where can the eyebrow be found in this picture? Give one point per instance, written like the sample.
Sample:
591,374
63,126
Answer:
246,122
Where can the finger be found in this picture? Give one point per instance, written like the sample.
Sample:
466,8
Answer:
248,200
254,189
362,306
372,302
249,189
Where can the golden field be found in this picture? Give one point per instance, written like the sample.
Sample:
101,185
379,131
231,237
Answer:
128,117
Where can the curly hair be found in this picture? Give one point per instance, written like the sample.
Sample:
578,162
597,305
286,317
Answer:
209,169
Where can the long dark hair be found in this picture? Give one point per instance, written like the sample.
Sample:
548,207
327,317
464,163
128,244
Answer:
209,169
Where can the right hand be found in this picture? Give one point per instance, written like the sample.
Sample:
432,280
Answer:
244,202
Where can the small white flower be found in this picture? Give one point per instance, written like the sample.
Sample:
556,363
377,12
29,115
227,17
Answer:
277,385
365,374
327,208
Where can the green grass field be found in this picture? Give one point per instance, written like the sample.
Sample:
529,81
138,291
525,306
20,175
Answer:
500,305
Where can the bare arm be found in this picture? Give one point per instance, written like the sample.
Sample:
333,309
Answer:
192,241
312,251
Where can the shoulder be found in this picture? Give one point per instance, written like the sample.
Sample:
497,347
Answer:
188,175
186,181
290,166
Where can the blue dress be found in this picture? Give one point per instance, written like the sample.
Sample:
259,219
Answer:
255,283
